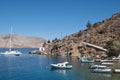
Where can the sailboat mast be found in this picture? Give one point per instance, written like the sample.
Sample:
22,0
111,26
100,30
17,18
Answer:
10,39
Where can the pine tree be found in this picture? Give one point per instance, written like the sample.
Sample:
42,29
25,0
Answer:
88,25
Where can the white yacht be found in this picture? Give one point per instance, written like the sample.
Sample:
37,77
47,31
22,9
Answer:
85,59
107,63
117,70
97,66
10,51
106,60
63,65
116,58
102,70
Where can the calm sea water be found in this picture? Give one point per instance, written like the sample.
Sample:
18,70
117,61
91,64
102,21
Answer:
37,67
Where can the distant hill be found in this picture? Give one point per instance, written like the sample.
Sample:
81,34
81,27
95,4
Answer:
98,34
20,41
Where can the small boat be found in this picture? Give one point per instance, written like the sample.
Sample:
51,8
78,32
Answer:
97,59
106,60
86,60
107,63
63,65
97,66
102,70
116,58
117,70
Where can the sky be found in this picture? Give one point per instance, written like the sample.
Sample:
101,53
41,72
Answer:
52,19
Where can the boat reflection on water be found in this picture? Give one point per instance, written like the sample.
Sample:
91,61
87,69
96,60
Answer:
61,71
104,74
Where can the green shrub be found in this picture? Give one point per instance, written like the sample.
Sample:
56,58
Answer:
113,48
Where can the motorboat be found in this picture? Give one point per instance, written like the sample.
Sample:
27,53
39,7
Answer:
64,65
117,70
102,70
107,63
86,60
97,59
116,58
106,60
97,66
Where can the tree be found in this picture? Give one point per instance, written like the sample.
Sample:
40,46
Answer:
55,40
55,47
88,25
96,24
113,48
79,33
48,41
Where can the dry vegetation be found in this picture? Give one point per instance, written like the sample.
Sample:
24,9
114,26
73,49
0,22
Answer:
98,34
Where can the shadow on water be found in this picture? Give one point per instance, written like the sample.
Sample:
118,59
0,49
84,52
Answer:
61,71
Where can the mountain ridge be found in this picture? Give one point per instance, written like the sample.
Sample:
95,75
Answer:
20,41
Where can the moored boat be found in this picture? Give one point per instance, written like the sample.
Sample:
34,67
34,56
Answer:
97,66
116,58
102,70
117,70
107,63
86,60
11,52
106,60
63,65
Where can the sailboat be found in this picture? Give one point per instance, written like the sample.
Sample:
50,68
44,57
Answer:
10,51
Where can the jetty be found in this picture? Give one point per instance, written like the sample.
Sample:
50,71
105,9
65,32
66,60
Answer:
95,46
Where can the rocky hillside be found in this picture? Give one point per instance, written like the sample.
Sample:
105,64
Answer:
19,41
98,34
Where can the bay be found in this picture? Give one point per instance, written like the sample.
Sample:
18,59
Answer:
37,67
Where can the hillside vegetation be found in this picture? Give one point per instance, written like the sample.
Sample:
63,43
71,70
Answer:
98,34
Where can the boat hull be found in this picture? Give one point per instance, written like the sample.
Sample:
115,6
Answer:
60,67
97,66
117,70
102,70
87,60
63,65
16,53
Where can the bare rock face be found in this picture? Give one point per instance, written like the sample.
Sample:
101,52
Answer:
19,41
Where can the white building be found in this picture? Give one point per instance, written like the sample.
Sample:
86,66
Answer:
41,49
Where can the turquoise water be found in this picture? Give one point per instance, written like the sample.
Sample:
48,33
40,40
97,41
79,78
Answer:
37,67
